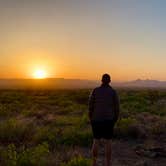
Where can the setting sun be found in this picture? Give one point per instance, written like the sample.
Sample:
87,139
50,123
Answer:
40,74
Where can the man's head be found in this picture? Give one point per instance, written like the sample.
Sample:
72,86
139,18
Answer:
106,79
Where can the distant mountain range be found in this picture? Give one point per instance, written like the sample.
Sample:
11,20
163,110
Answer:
143,83
61,83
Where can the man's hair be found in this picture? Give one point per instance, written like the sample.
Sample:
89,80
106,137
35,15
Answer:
106,79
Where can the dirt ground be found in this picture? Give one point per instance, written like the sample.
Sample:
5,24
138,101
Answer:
123,154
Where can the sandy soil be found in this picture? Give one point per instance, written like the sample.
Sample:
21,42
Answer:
123,154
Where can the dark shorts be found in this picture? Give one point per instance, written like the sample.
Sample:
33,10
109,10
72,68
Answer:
102,129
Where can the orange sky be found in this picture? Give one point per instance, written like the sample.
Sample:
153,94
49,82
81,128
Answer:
83,39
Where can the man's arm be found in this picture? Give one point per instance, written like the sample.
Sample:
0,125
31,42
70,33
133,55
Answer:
91,104
116,106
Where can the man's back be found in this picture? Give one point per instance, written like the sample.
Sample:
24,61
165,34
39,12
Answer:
103,103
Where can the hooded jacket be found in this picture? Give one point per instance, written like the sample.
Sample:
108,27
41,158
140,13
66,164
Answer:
103,104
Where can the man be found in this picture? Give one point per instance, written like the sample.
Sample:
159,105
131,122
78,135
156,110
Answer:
103,114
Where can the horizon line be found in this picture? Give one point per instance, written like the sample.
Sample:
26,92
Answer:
147,79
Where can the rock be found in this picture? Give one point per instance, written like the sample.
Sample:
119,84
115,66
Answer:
151,152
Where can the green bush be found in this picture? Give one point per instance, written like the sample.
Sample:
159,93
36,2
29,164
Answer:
76,136
129,127
159,128
12,131
8,156
36,156
84,120
4,112
45,134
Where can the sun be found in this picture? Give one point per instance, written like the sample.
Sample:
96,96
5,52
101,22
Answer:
40,74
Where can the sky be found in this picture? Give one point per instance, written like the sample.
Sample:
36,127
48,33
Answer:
83,38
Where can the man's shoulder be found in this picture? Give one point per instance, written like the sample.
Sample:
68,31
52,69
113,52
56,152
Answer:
97,88
114,91
101,88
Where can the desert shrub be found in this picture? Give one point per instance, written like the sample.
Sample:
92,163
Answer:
134,101
67,110
74,109
135,106
68,120
158,128
76,136
45,134
77,161
28,113
153,96
80,96
8,110
14,101
8,155
4,112
84,120
159,108
10,96
64,102
129,128
36,156
32,111
12,131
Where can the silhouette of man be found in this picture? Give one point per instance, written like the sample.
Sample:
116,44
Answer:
103,114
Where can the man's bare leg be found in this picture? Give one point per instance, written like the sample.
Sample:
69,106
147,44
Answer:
95,151
108,151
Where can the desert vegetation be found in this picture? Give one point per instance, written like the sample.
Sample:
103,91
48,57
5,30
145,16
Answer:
51,127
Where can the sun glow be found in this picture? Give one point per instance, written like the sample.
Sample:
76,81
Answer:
40,74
